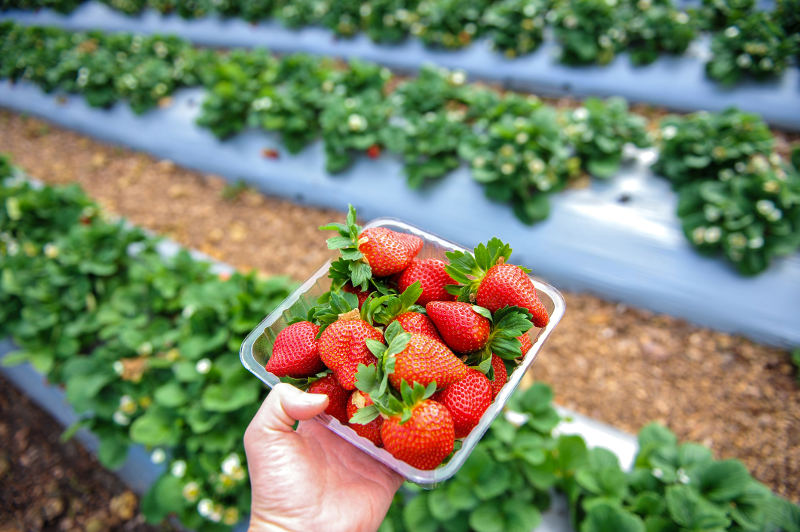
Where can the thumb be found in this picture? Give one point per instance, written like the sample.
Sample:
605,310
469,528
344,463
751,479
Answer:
284,405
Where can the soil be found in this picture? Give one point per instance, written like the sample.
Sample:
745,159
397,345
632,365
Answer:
55,486
621,365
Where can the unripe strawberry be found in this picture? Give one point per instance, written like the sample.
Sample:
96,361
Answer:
342,347
467,400
463,329
371,430
433,278
295,351
425,439
337,396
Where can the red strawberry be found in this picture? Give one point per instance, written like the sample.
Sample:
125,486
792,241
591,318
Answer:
507,284
270,153
431,275
295,352
386,251
467,400
525,340
337,396
500,375
362,295
374,151
425,360
425,439
371,430
342,347
463,329
419,323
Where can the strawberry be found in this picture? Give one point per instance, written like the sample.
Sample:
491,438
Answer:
500,375
416,322
342,347
432,276
463,329
270,153
388,252
337,396
509,285
295,352
368,253
485,278
424,439
525,343
371,430
467,400
362,295
374,151
425,360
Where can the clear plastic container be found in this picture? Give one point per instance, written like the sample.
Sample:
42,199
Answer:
306,295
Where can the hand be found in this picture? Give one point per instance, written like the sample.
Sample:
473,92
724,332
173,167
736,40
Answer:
311,479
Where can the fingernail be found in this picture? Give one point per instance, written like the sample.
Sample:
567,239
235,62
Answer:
312,399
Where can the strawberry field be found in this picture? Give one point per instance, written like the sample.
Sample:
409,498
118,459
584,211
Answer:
688,211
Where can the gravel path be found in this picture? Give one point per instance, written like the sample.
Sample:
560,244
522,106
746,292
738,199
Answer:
621,365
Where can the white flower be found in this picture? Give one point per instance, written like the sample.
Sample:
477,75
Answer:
401,14
775,215
507,168
521,137
50,251
349,103
669,132
681,18
470,28
764,206
657,472
13,208
327,86
365,10
231,461
699,235
129,81
771,187
458,77
205,507
216,513
430,116
713,234
737,240
178,468
188,310
264,103
611,3
203,366
127,405
118,367
712,213
766,63
581,114
726,174
158,456
755,243
356,122
683,478
120,418
740,167
744,61
160,49
388,20
570,21
536,166
190,491
643,4
479,162
731,32
146,349
529,10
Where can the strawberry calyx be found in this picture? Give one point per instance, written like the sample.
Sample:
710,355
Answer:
351,266
468,269
508,324
305,382
383,309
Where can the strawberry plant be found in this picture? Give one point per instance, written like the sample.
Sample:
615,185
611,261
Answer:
599,131
656,28
449,23
588,31
129,7
710,145
520,155
751,217
516,27
388,20
787,13
756,46
343,17
719,14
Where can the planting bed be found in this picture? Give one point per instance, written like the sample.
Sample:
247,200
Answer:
674,82
644,366
618,238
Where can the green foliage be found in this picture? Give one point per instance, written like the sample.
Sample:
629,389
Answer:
144,346
516,27
710,145
599,131
587,31
756,46
520,156
449,23
655,28
719,14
